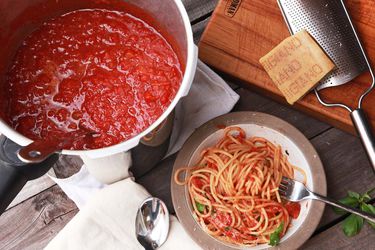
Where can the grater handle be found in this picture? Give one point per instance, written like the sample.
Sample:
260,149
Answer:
364,131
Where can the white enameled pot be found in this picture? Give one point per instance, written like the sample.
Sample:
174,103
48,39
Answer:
170,14
18,18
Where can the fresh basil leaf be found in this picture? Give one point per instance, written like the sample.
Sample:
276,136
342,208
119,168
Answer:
354,195
352,225
227,228
349,201
275,236
366,197
199,206
274,239
369,209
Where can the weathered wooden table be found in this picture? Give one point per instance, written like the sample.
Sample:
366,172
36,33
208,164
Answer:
43,209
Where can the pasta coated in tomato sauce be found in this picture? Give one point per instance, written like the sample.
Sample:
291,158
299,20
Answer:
233,189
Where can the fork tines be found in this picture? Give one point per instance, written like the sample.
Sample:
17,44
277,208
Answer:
283,187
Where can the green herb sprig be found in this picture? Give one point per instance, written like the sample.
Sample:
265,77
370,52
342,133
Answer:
200,207
353,224
276,235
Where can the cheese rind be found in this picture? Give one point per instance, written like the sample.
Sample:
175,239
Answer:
297,65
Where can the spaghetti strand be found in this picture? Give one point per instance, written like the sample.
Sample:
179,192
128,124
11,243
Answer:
234,188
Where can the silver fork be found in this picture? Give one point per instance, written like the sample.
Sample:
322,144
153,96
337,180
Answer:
296,191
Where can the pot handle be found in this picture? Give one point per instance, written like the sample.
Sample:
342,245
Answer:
11,182
14,173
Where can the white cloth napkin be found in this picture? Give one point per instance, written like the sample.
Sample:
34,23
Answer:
107,220
209,97
80,186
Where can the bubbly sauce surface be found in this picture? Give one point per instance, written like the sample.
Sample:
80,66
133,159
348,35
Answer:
105,71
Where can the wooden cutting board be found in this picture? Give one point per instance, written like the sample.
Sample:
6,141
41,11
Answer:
240,32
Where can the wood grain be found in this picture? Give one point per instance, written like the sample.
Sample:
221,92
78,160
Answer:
334,238
32,224
32,188
346,167
67,165
235,45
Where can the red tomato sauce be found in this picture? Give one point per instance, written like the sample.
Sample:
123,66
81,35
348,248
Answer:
293,208
103,70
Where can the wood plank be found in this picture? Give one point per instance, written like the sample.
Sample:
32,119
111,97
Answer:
346,166
63,168
334,238
235,44
37,220
197,9
67,165
32,188
42,237
33,223
251,101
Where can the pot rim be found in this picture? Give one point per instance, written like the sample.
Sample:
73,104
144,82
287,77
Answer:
191,63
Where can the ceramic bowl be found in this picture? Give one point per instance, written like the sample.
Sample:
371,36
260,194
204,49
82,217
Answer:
294,144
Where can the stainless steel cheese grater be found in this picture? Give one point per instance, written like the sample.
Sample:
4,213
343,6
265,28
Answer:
328,21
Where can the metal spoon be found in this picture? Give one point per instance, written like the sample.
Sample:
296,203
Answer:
152,223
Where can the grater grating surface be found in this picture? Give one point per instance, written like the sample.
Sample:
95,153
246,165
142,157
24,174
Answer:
328,23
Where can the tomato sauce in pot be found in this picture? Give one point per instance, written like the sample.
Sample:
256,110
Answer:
103,70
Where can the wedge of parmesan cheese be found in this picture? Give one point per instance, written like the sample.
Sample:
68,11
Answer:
297,65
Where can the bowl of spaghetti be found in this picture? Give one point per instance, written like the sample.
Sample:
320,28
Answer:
225,183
